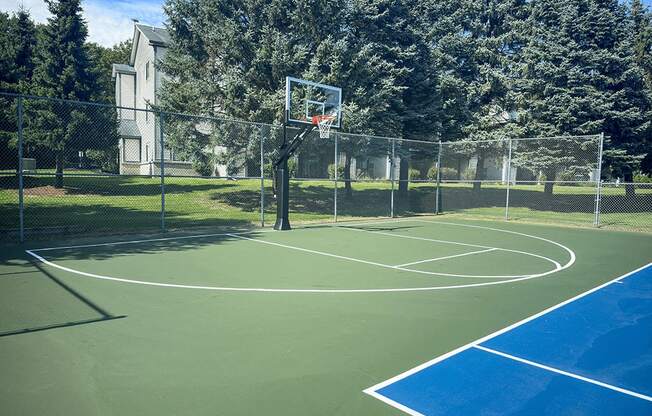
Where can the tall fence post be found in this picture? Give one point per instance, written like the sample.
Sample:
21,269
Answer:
336,167
162,169
391,176
262,177
21,206
598,186
437,190
509,179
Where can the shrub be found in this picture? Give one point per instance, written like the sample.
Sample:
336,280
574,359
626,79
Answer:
641,177
105,159
414,174
446,173
331,171
292,167
268,169
468,174
203,166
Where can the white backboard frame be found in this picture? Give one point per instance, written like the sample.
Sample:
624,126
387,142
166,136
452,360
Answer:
336,92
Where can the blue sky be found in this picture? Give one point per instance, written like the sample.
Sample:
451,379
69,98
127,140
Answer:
109,21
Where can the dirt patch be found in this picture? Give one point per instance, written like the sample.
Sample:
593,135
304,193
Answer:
48,190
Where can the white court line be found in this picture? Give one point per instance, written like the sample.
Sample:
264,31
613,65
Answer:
512,279
272,290
387,266
372,391
557,265
119,243
306,250
445,257
252,231
565,373
568,250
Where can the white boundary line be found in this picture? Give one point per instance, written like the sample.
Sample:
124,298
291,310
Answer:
565,373
292,290
445,257
337,256
557,265
372,391
119,243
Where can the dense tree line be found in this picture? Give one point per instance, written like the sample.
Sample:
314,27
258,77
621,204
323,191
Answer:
434,69
55,60
430,69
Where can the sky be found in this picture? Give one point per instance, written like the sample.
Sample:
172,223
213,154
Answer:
109,21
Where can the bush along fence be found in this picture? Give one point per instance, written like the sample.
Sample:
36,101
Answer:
69,167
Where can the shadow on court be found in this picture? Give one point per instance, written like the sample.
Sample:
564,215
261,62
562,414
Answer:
162,243
83,305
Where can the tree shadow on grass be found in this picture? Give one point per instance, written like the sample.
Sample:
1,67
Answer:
56,221
459,199
117,185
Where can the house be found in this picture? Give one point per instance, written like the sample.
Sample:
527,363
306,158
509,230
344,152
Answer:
136,88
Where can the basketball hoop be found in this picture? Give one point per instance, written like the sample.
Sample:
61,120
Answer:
324,122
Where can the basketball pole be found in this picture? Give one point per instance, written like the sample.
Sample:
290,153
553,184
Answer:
282,179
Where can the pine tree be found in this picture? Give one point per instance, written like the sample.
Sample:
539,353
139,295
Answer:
642,33
24,35
63,71
580,78
475,47
231,59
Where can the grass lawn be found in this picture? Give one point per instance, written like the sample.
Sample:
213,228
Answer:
100,204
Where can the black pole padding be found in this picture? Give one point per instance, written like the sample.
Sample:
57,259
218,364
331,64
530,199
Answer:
282,177
282,197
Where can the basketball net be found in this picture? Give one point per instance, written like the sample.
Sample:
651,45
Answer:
324,123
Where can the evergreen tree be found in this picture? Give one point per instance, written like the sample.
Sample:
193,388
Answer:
64,71
24,35
17,44
580,78
102,60
475,47
642,32
231,59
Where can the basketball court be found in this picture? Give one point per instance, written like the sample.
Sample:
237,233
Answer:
309,321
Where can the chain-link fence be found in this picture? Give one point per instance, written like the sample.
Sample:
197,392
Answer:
80,168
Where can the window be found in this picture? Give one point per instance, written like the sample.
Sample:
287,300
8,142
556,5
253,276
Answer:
147,71
131,150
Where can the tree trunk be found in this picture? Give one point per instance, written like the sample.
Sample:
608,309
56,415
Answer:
403,176
479,174
58,179
550,178
348,191
630,190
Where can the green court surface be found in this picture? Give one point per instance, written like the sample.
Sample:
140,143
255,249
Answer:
241,322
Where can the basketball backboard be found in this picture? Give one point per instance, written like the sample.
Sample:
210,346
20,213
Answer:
306,99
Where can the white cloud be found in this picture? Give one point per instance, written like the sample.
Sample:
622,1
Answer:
109,22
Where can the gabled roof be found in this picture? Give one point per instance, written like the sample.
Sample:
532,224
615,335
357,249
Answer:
128,129
122,69
155,36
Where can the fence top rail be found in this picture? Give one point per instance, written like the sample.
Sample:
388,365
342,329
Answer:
278,126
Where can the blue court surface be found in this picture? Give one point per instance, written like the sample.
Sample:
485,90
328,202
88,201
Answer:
590,355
